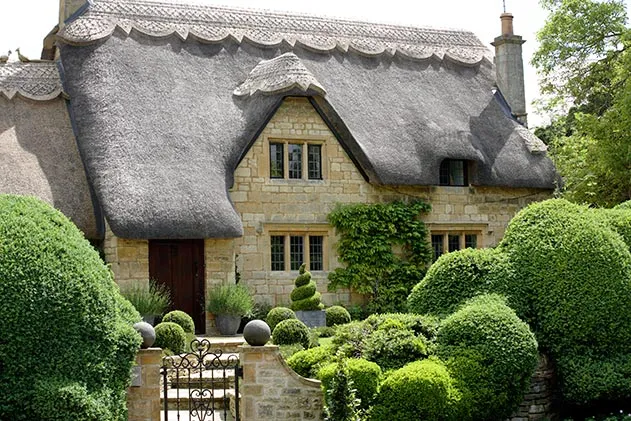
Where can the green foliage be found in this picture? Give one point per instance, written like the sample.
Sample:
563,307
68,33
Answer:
340,402
421,390
148,298
392,346
366,377
229,299
287,351
304,297
277,315
308,362
491,354
337,315
368,234
349,338
67,341
291,331
458,276
182,319
171,336
427,326
324,331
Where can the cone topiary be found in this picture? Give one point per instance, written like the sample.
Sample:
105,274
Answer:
304,297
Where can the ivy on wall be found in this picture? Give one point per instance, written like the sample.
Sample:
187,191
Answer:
385,249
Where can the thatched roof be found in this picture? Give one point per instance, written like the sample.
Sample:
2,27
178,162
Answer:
38,152
163,119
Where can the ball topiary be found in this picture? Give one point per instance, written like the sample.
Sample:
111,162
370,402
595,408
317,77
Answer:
337,315
422,390
181,318
491,354
67,342
170,336
304,297
392,346
308,362
365,375
277,315
291,331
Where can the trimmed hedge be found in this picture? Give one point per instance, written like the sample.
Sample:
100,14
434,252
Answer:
392,346
419,324
291,331
277,315
171,336
337,315
67,343
491,354
181,318
366,376
308,362
422,390
349,339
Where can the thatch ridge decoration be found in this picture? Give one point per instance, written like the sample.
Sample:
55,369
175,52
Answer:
270,29
39,81
280,74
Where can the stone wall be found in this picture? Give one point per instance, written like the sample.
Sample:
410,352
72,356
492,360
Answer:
143,396
128,259
537,404
271,390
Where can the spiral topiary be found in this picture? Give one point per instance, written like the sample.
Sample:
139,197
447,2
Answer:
170,336
337,315
181,318
304,297
277,315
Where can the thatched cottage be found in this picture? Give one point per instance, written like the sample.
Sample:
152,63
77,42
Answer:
193,143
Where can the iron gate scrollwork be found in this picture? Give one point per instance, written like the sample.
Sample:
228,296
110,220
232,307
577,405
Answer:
199,383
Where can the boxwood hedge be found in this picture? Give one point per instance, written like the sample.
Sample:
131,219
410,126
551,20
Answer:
67,343
366,376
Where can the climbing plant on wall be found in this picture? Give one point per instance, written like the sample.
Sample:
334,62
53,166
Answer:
384,249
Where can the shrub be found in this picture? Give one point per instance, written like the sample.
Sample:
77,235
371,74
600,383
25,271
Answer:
229,299
392,346
308,362
366,376
148,298
421,390
324,331
291,331
277,315
349,338
340,403
180,318
304,297
67,342
337,315
419,324
491,354
170,336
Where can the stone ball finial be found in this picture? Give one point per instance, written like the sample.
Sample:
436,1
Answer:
147,332
256,333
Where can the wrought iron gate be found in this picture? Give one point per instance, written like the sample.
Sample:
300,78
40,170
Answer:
198,385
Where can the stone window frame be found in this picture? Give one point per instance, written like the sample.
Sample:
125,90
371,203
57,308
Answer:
305,141
461,230
297,230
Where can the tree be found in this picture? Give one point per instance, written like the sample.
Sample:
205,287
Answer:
584,63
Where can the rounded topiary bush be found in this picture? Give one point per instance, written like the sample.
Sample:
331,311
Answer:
337,315
422,390
491,354
304,296
365,375
181,318
308,362
392,346
277,315
67,342
290,332
170,336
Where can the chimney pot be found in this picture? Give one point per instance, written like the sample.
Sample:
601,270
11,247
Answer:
507,24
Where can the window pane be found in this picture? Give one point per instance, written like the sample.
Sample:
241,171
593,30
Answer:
437,245
278,252
296,252
454,242
471,241
316,252
315,162
456,172
444,173
295,161
276,163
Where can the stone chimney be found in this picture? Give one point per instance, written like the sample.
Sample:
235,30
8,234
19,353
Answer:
509,68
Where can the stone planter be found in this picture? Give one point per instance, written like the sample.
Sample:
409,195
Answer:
313,318
227,325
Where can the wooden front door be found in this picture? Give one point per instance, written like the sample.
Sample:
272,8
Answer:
179,264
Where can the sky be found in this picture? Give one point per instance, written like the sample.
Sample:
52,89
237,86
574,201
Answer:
25,23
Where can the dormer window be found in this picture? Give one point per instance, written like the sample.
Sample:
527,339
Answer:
454,172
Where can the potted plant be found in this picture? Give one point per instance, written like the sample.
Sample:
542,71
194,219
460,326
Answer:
149,298
229,302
